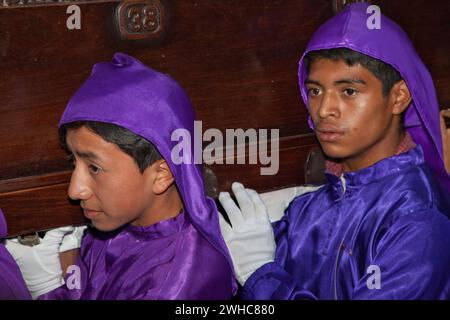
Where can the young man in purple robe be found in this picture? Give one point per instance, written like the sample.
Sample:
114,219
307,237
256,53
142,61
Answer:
378,228
12,285
155,233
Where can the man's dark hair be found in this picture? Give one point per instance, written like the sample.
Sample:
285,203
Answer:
141,150
382,71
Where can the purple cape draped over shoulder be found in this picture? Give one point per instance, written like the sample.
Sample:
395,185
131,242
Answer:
181,258
380,232
12,285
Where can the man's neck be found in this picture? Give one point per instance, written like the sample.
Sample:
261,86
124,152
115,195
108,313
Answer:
406,143
165,206
380,150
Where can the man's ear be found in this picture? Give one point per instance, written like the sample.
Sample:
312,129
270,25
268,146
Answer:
162,178
400,97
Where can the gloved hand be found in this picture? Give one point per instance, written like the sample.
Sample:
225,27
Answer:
277,201
40,264
250,239
72,240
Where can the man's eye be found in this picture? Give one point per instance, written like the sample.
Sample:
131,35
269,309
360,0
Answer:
313,91
94,169
350,92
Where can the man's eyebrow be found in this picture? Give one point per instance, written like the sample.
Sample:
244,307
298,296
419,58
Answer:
342,81
350,81
87,155
309,81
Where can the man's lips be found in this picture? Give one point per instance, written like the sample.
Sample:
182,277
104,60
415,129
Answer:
329,133
90,214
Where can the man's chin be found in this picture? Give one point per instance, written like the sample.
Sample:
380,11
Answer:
333,151
104,227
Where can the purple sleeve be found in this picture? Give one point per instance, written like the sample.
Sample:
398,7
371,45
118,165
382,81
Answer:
272,281
412,260
12,285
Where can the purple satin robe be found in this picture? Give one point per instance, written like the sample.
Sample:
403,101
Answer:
167,260
182,258
12,285
390,216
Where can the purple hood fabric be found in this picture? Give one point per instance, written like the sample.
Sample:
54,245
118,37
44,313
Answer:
152,105
391,45
12,285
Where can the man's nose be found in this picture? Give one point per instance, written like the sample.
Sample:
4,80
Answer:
329,105
79,188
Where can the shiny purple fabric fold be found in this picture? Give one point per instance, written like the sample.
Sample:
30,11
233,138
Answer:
389,216
12,285
391,45
167,260
127,93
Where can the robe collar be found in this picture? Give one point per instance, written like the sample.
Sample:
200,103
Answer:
160,229
408,154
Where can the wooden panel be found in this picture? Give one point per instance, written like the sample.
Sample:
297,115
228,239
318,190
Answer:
293,154
428,26
34,181
233,57
39,209
236,59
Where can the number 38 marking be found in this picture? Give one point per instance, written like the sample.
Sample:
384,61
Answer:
141,19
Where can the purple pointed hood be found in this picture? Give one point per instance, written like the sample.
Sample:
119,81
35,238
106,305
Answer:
152,105
391,45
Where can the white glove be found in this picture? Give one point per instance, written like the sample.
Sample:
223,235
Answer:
277,201
250,239
40,264
73,239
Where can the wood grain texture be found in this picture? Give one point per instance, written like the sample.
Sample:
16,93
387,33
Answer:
236,59
39,209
